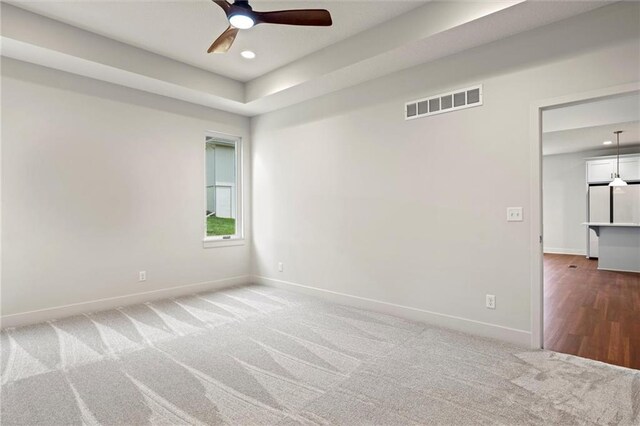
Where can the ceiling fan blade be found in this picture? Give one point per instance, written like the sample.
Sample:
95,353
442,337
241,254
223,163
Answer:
224,42
309,17
225,5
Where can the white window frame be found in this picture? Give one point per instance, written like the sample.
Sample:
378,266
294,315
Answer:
223,240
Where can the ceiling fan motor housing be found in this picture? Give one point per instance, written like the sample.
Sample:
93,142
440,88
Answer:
241,15
240,8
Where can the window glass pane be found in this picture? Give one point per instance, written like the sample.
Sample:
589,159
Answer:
221,187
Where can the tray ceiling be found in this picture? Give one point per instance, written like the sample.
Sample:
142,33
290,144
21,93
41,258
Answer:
183,30
159,46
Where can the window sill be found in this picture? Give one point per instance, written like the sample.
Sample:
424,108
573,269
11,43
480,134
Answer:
217,242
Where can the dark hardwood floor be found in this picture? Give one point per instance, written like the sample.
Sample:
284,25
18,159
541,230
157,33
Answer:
590,313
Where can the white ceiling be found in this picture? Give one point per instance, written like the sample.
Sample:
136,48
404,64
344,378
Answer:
153,45
619,109
591,138
183,30
585,126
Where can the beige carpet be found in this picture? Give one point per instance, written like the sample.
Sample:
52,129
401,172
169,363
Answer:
258,355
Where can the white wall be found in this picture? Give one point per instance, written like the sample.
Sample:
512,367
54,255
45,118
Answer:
100,182
353,199
565,200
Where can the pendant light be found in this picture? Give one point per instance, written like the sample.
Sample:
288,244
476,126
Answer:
617,181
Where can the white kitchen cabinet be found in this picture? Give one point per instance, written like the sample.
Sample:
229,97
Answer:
601,170
629,168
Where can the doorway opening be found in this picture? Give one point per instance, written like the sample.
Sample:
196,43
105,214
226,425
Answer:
589,257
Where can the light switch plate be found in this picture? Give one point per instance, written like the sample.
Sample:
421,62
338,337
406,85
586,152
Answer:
514,214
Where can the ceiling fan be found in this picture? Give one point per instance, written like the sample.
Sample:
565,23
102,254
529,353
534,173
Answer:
241,17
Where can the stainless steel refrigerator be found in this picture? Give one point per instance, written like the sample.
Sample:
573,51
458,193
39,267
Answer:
611,205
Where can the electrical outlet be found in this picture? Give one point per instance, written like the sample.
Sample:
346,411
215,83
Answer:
142,276
280,267
490,301
514,214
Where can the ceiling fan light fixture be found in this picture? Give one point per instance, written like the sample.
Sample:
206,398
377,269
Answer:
241,21
247,54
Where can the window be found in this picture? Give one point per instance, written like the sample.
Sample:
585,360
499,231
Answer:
223,212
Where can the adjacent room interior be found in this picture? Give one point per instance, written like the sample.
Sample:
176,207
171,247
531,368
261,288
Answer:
591,198
320,212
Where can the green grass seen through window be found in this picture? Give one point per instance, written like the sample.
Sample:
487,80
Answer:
220,226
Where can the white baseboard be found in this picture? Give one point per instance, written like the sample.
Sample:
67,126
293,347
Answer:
479,328
552,250
33,317
619,270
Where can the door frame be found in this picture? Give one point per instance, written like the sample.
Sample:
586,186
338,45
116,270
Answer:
535,137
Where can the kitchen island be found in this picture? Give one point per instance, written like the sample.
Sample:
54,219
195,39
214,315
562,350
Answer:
619,246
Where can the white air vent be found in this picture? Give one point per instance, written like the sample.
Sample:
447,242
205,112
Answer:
446,102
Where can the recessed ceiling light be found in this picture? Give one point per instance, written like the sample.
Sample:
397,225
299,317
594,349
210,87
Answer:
607,143
247,54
